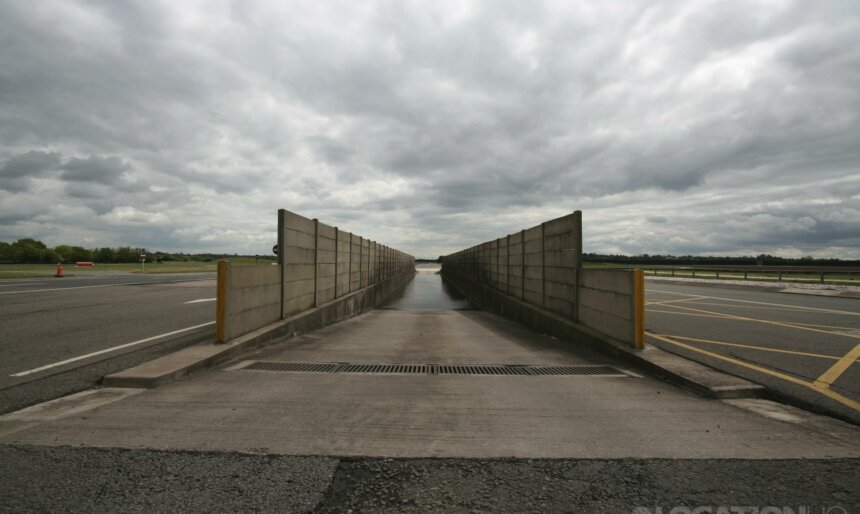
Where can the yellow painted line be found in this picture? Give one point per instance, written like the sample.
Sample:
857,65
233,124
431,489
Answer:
664,302
769,322
788,378
813,309
729,315
762,348
763,307
830,376
690,314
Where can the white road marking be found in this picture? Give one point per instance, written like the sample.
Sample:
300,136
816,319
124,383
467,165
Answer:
108,350
103,285
800,307
202,300
24,284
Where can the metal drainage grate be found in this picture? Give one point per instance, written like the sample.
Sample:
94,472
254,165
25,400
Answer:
438,369
448,369
575,370
384,368
292,366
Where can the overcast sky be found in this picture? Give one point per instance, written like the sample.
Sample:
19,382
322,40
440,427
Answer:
693,127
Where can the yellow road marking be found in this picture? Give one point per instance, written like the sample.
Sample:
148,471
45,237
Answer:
763,307
835,371
690,314
728,315
788,378
815,309
762,348
769,322
663,302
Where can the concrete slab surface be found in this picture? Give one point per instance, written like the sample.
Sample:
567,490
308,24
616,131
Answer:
339,414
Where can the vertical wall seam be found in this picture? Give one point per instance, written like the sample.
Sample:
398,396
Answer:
543,265
508,264
223,278
336,259
316,261
523,264
282,251
577,275
638,311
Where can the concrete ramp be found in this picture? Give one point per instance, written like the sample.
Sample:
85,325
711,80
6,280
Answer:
440,415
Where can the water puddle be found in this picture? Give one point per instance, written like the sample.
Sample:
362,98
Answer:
427,291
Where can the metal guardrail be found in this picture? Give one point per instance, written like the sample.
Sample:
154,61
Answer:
780,274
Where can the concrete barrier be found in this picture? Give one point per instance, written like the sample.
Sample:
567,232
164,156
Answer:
318,266
248,297
611,301
541,268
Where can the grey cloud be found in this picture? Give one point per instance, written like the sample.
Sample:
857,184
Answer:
419,118
105,170
17,171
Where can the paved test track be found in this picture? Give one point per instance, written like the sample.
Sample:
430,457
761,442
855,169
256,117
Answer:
275,441
802,346
62,335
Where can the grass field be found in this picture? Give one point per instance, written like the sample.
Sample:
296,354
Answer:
12,271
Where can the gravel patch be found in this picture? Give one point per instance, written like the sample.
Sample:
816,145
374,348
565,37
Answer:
588,485
63,479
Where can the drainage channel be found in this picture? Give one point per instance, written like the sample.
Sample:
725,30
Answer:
434,369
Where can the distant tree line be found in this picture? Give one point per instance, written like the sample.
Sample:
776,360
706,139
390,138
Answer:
32,251
690,260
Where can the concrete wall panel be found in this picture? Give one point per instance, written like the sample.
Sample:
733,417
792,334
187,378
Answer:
542,267
253,295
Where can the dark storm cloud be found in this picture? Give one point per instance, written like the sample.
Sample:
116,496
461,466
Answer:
432,125
105,170
18,171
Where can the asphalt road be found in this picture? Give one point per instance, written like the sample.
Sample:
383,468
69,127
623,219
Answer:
118,480
803,347
63,335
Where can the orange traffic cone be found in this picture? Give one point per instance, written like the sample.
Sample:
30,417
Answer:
59,269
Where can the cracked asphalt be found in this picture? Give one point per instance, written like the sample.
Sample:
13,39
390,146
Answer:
122,480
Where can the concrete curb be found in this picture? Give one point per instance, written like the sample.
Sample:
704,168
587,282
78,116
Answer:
196,358
672,368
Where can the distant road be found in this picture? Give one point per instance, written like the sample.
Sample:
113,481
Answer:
60,335
12,286
802,346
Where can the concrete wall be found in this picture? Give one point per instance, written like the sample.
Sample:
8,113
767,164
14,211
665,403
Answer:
248,298
608,302
318,265
538,265
541,268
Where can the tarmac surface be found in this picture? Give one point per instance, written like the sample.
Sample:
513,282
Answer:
237,408
802,347
243,439
117,480
61,337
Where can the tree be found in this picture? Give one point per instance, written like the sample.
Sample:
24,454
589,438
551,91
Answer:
31,251
104,255
73,253
5,252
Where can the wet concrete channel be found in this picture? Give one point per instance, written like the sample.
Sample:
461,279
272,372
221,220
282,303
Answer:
427,291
